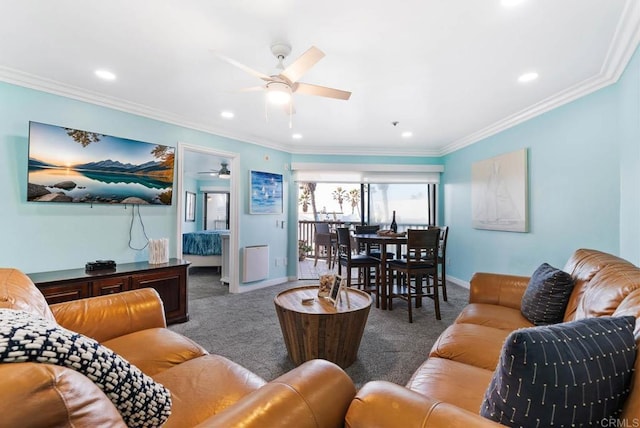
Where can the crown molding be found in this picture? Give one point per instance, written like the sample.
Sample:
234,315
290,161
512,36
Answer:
623,44
625,41
359,151
54,87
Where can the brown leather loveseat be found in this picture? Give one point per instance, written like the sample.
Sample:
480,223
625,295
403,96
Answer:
447,390
206,390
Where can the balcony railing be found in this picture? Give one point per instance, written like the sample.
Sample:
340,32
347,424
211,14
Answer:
306,231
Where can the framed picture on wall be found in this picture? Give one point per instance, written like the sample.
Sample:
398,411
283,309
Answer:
499,193
265,195
190,207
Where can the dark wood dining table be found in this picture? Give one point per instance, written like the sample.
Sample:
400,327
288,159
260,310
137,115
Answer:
383,241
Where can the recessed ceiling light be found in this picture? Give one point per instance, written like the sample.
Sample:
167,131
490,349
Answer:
296,136
511,3
407,134
227,114
528,77
105,74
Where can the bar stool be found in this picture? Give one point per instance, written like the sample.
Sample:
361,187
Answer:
420,265
360,261
324,238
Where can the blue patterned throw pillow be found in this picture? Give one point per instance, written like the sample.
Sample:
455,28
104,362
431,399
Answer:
569,374
25,337
547,295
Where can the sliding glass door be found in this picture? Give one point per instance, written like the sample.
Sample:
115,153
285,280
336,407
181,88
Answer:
347,204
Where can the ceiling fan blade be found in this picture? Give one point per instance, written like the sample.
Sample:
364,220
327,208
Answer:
301,65
243,67
252,89
321,91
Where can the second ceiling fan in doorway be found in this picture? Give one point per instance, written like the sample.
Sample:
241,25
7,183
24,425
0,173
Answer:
223,172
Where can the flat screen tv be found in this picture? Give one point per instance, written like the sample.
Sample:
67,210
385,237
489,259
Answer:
70,165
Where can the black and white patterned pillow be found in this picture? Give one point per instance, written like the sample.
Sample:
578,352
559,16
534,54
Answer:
547,295
569,374
25,337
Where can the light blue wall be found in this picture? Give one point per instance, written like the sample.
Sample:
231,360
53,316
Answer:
41,237
628,92
583,186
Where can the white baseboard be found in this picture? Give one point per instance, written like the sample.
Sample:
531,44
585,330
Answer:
458,281
260,284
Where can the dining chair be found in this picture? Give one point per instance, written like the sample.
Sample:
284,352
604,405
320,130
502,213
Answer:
327,240
362,262
442,260
415,272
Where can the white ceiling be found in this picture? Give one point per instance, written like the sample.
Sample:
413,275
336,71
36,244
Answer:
446,70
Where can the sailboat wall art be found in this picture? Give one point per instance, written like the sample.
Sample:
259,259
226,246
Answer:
266,193
499,193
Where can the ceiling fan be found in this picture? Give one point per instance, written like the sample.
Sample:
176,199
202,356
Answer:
223,172
280,87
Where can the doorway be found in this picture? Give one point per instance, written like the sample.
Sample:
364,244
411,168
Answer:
186,171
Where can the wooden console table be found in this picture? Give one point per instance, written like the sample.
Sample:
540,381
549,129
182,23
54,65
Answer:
168,279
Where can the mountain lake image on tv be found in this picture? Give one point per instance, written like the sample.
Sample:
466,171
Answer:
70,165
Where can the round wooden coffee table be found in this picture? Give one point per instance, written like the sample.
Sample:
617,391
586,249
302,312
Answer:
320,330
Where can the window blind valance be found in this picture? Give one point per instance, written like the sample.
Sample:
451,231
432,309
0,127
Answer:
357,173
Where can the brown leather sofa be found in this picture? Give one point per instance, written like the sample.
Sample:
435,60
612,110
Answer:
206,390
448,388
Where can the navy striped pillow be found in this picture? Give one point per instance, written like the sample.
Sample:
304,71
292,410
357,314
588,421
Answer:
569,374
547,295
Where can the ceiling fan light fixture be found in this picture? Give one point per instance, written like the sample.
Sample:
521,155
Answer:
278,93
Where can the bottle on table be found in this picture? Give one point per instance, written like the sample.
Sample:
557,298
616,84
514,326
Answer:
394,225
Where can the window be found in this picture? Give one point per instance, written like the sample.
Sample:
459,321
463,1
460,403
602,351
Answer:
368,203
410,202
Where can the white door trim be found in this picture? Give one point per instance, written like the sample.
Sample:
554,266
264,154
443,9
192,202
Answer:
234,283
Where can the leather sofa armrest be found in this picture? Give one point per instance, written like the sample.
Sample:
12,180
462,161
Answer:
113,315
498,289
314,394
381,404
44,395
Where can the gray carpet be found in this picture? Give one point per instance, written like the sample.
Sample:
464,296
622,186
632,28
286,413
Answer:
244,328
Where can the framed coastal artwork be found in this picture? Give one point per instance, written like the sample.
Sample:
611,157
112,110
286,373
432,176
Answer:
266,193
499,193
